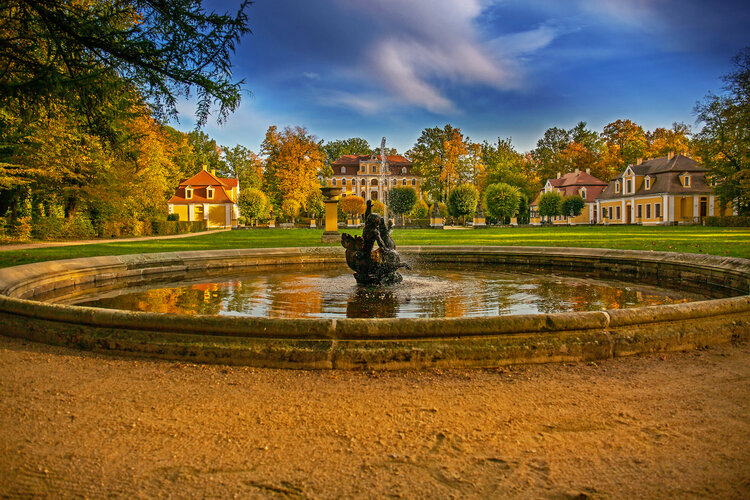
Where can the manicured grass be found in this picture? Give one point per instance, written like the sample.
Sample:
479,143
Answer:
693,239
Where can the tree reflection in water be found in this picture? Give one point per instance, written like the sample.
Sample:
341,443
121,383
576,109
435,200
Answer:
436,291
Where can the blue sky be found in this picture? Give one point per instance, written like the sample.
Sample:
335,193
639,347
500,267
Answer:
494,68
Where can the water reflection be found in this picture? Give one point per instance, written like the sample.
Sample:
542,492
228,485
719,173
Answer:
436,291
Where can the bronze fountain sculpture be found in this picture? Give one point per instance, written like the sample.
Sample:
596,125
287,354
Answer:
370,266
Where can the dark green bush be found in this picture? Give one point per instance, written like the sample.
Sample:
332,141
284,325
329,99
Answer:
728,221
171,217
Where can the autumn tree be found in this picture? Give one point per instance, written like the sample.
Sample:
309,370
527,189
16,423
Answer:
624,143
293,160
353,205
662,141
504,164
437,155
244,165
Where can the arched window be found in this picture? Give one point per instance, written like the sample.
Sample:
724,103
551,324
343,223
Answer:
343,170
403,183
343,182
583,193
414,182
403,170
333,182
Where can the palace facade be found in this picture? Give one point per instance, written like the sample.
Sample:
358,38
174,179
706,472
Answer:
359,175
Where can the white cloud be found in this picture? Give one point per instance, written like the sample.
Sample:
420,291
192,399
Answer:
365,104
426,45
311,75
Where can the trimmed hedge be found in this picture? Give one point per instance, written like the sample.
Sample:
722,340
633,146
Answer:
728,221
167,227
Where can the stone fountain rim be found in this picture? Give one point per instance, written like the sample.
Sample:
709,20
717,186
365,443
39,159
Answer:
88,327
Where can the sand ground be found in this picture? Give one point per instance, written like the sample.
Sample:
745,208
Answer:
77,424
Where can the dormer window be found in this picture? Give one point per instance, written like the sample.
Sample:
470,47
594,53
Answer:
403,170
628,186
686,181
583,193
210,193
343,170
647,183
617,186
188,193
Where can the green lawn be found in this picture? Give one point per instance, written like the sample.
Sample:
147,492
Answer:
693,239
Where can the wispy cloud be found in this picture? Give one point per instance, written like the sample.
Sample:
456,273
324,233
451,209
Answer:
425,47
311,75
365,104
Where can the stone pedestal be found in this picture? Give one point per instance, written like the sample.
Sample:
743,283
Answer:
331,197
436,221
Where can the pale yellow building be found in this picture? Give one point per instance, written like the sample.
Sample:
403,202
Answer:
574,183
667,190
206,197
360,175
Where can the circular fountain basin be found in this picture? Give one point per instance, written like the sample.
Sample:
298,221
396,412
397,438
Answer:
461,306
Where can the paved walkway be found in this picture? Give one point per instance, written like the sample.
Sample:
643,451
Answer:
29,246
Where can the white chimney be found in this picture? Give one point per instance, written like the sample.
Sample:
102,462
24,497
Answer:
588,170
577,171
559,175
639,161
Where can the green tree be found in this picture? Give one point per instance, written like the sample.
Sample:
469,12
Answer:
524,217
572,206
315,206
243,165
78,50
206,152
723,144
462,201
502,200
420,210
253,203
548,156
352,146
401,200
550,204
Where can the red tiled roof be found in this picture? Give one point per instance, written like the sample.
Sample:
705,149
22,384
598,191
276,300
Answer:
199,196
356,159
206,178
571,183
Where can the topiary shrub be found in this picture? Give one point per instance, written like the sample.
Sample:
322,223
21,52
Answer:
462,201
173,216
501,200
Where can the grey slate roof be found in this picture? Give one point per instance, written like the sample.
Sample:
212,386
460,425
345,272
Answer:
664,173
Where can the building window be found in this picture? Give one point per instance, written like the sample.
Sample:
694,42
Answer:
648,211
210,193
629,186
639,211
188,193
374,169
403,170
657,210
343,170
647,183
610,212
604,212
686,181
333,182
617,186
617,212
363,169
403,182
414,182
583,193
343,182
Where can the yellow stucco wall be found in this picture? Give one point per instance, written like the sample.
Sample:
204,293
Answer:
181,211
217,215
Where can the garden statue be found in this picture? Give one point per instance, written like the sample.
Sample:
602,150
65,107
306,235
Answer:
372,266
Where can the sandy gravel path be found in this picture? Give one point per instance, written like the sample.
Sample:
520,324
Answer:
79,424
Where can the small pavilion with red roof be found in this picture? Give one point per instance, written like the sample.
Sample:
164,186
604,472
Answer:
579,183
207,197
